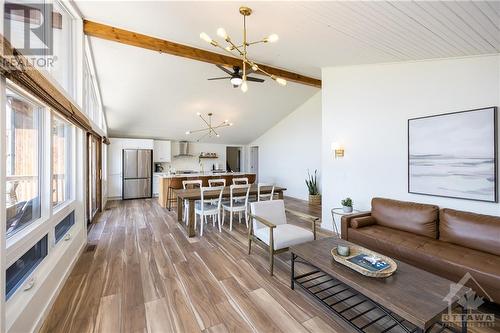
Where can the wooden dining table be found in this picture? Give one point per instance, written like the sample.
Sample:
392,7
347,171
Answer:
191,195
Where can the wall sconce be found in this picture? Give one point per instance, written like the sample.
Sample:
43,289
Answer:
338,150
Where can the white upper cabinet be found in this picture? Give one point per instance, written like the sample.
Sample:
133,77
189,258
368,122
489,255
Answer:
162,151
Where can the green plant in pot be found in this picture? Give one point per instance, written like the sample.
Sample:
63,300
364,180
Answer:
347,205
312,187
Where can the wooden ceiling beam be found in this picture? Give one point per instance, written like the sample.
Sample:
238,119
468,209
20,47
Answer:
107,32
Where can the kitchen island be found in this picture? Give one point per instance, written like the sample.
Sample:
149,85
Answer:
174,181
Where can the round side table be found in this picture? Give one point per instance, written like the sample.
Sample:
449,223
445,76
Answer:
340,211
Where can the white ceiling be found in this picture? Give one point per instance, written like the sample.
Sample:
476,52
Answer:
145,93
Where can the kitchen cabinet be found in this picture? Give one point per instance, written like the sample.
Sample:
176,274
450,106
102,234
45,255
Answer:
115,161
162,151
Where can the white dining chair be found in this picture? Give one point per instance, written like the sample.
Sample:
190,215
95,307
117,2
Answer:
240,181
237,204
216,182
189,184
264,196
209,207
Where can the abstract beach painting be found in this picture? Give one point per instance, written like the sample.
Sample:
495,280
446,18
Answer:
454,155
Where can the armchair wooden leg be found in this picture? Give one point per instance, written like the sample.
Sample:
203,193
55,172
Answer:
271,261
271,251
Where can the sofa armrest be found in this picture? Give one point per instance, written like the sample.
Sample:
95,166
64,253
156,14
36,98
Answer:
345,223
360,222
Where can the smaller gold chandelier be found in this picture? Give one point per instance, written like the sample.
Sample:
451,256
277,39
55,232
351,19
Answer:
210,130
241,50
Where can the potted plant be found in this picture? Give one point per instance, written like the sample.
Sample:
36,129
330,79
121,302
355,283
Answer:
347,205
312,186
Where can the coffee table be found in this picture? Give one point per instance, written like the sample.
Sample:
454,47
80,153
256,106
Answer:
410,300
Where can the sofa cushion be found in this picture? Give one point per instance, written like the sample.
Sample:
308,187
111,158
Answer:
441,258
416,218
475,231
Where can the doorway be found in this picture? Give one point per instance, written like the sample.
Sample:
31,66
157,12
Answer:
254,162
233,159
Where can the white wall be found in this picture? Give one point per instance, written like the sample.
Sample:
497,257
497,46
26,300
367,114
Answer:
366,108
291,147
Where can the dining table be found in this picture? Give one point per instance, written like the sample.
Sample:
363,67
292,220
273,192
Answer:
192,195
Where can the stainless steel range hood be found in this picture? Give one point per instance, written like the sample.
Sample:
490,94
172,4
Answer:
183,149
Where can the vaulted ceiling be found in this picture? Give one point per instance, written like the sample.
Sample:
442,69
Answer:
150,94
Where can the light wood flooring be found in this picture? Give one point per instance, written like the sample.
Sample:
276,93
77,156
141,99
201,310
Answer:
140,273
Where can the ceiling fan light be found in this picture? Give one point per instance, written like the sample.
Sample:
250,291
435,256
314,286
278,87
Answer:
188,132
244,86
222,33
272,38
281,81
226,121
236,81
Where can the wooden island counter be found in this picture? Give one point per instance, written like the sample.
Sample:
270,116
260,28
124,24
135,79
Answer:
175,182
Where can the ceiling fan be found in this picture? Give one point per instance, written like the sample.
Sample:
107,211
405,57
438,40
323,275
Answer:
236,77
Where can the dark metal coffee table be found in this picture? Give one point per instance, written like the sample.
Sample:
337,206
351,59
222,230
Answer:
411,300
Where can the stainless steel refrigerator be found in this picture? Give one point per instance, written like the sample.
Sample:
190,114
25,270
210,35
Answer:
137,166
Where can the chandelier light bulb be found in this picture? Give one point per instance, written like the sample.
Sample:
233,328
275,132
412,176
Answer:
188,132
222,33
198,114
255,67
272,38
229,48
281,81
244,86
226,121
231,124
217,135
206,37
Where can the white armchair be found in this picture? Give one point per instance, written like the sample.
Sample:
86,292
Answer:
269,228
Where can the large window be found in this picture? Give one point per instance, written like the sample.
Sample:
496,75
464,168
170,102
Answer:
22,161
61,160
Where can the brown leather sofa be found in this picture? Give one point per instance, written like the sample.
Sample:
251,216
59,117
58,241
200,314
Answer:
445,242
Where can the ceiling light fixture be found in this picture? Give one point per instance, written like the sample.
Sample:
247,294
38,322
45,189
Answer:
241,50
210,130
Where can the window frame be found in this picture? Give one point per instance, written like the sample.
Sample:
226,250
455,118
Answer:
42,110
69,161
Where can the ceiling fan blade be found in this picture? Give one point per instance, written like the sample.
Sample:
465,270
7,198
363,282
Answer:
222,68
254,79
220,78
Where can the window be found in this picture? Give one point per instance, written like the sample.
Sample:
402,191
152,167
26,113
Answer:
63,226
23,132
61,160
62,25
19,271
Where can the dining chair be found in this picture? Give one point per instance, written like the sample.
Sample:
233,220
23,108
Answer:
207,207
264,196
189,184
270,229
235,204
216,182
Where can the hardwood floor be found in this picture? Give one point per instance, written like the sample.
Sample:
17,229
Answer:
140,272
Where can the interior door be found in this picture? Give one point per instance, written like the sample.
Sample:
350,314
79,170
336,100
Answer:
254,162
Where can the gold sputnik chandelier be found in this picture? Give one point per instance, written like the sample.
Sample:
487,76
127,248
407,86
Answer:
240,51
210,130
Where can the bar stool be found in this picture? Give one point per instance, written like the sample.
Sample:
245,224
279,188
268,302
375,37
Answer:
175,183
